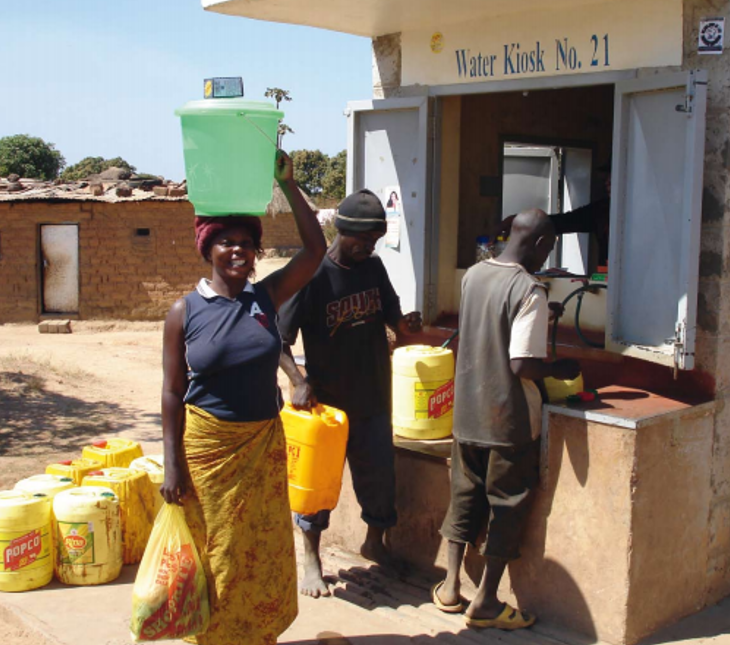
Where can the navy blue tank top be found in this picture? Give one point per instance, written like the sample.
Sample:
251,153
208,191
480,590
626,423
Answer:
232,351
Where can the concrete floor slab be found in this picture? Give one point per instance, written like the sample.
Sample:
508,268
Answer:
367,608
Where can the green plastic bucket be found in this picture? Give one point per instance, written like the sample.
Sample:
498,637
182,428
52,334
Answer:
230,150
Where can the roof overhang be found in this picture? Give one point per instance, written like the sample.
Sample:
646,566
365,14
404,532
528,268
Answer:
374,18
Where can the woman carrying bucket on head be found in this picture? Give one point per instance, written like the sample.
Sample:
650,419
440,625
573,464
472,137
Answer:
225,454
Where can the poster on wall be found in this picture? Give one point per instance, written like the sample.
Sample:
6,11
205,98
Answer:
711,36
393,211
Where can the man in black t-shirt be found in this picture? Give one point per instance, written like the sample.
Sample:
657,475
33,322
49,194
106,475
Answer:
342,315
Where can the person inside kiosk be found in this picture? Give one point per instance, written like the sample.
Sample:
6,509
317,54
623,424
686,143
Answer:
592,218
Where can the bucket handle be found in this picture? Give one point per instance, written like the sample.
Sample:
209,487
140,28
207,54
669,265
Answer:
266,136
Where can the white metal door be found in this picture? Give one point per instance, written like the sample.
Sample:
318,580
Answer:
60,268
530,176
529,179
388,146
577,164
659,140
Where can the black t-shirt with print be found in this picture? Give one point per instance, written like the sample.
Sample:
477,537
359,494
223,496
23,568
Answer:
342,314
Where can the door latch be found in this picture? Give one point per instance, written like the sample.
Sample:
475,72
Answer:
678,348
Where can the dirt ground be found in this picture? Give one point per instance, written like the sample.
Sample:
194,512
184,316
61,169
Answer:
59,392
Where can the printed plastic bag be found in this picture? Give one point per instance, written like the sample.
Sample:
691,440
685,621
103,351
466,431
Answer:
170,595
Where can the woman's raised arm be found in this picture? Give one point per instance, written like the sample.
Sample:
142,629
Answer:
285,282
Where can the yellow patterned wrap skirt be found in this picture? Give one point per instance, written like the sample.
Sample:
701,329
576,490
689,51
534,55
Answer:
237,508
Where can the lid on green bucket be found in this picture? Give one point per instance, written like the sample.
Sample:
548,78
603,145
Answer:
229,107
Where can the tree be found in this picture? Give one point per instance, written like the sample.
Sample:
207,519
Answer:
333,182
281,131
93,166
310,167
277,94
29,157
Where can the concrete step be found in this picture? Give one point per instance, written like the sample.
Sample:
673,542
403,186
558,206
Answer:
406,601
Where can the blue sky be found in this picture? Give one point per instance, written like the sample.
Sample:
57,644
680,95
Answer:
103,78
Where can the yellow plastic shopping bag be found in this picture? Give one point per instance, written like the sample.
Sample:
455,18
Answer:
170,595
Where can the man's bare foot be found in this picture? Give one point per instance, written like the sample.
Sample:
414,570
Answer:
485,609
376,551
448,592
312,583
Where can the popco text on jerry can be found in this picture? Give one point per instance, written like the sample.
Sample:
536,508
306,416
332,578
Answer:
137,504
423,392
316,443
88,536
76,469
229,145
26,561
113,453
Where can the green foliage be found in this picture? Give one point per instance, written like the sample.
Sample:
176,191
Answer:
29,157
319,175
333,182
310,167
277,94
93,166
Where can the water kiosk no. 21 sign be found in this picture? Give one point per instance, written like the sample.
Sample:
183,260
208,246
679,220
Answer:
546,42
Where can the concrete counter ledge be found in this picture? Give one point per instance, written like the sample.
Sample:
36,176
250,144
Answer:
617,542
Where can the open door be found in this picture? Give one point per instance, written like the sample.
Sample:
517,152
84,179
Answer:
388,152
658,155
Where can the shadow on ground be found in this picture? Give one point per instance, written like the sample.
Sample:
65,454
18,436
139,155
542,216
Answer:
35,420
709,623
39,426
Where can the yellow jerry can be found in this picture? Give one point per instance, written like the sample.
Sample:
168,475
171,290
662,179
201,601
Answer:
48,485
88,536
558,390
423,392
154,466
316,444
26,559
77,469
113,452
137,505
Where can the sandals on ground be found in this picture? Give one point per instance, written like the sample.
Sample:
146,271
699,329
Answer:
447,609
509,619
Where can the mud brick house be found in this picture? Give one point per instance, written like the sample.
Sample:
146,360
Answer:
66,252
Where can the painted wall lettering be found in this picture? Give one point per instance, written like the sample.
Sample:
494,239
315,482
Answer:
545,41
516,59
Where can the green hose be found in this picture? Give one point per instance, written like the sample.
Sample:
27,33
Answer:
580,292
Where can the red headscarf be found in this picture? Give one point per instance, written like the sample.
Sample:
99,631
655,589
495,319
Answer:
206,228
